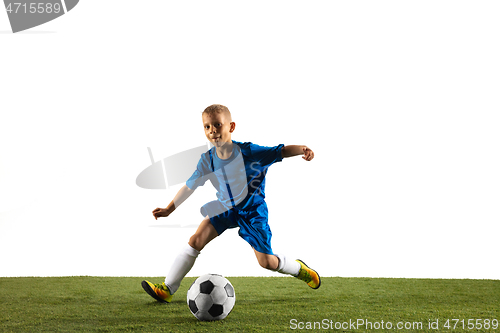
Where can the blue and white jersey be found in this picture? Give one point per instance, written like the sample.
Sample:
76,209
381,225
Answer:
240,179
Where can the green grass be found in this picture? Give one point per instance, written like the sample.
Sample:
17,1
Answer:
107,304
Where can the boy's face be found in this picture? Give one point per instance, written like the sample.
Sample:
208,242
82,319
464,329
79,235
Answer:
218,128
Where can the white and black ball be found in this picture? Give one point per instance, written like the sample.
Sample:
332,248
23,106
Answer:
211,297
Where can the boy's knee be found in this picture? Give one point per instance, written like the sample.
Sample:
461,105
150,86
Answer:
196,243
266,265
205,233
269,263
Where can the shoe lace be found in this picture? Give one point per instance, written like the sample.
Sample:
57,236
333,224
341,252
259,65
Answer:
304,275
160,286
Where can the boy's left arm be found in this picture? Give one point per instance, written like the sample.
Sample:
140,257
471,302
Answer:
294,150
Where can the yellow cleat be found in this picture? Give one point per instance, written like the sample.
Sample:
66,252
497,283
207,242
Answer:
158,291
309,276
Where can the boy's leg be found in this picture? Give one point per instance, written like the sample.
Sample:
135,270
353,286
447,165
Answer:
185,260
297,268
182,264
254,229
203,235
276,262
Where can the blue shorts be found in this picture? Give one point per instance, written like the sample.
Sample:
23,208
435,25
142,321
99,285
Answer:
252,223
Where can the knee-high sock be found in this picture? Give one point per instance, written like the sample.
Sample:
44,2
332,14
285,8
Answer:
287,266
181,266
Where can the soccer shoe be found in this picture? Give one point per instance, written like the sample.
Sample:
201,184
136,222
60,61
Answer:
158,291
309,276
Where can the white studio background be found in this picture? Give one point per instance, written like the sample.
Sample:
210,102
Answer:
398,100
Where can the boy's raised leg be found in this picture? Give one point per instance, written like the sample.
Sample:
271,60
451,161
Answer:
297,268
308,275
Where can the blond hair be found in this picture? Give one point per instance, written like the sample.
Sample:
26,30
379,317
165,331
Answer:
217,108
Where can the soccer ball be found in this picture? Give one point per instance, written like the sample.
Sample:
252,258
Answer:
211,297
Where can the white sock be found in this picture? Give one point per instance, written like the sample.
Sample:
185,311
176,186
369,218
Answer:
181,266
287,266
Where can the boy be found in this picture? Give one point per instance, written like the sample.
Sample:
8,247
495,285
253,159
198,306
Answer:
237,170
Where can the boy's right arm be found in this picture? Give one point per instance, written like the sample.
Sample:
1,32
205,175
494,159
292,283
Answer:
179,198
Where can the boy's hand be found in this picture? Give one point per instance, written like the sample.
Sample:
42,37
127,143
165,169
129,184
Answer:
308,154
161,212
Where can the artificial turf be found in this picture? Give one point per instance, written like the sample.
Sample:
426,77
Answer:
263,304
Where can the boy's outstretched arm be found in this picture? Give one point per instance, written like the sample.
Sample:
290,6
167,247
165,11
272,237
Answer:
179,198
293,150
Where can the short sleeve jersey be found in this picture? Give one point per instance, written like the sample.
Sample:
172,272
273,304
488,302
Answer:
240,179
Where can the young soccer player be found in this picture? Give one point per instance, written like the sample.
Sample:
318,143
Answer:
237,171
